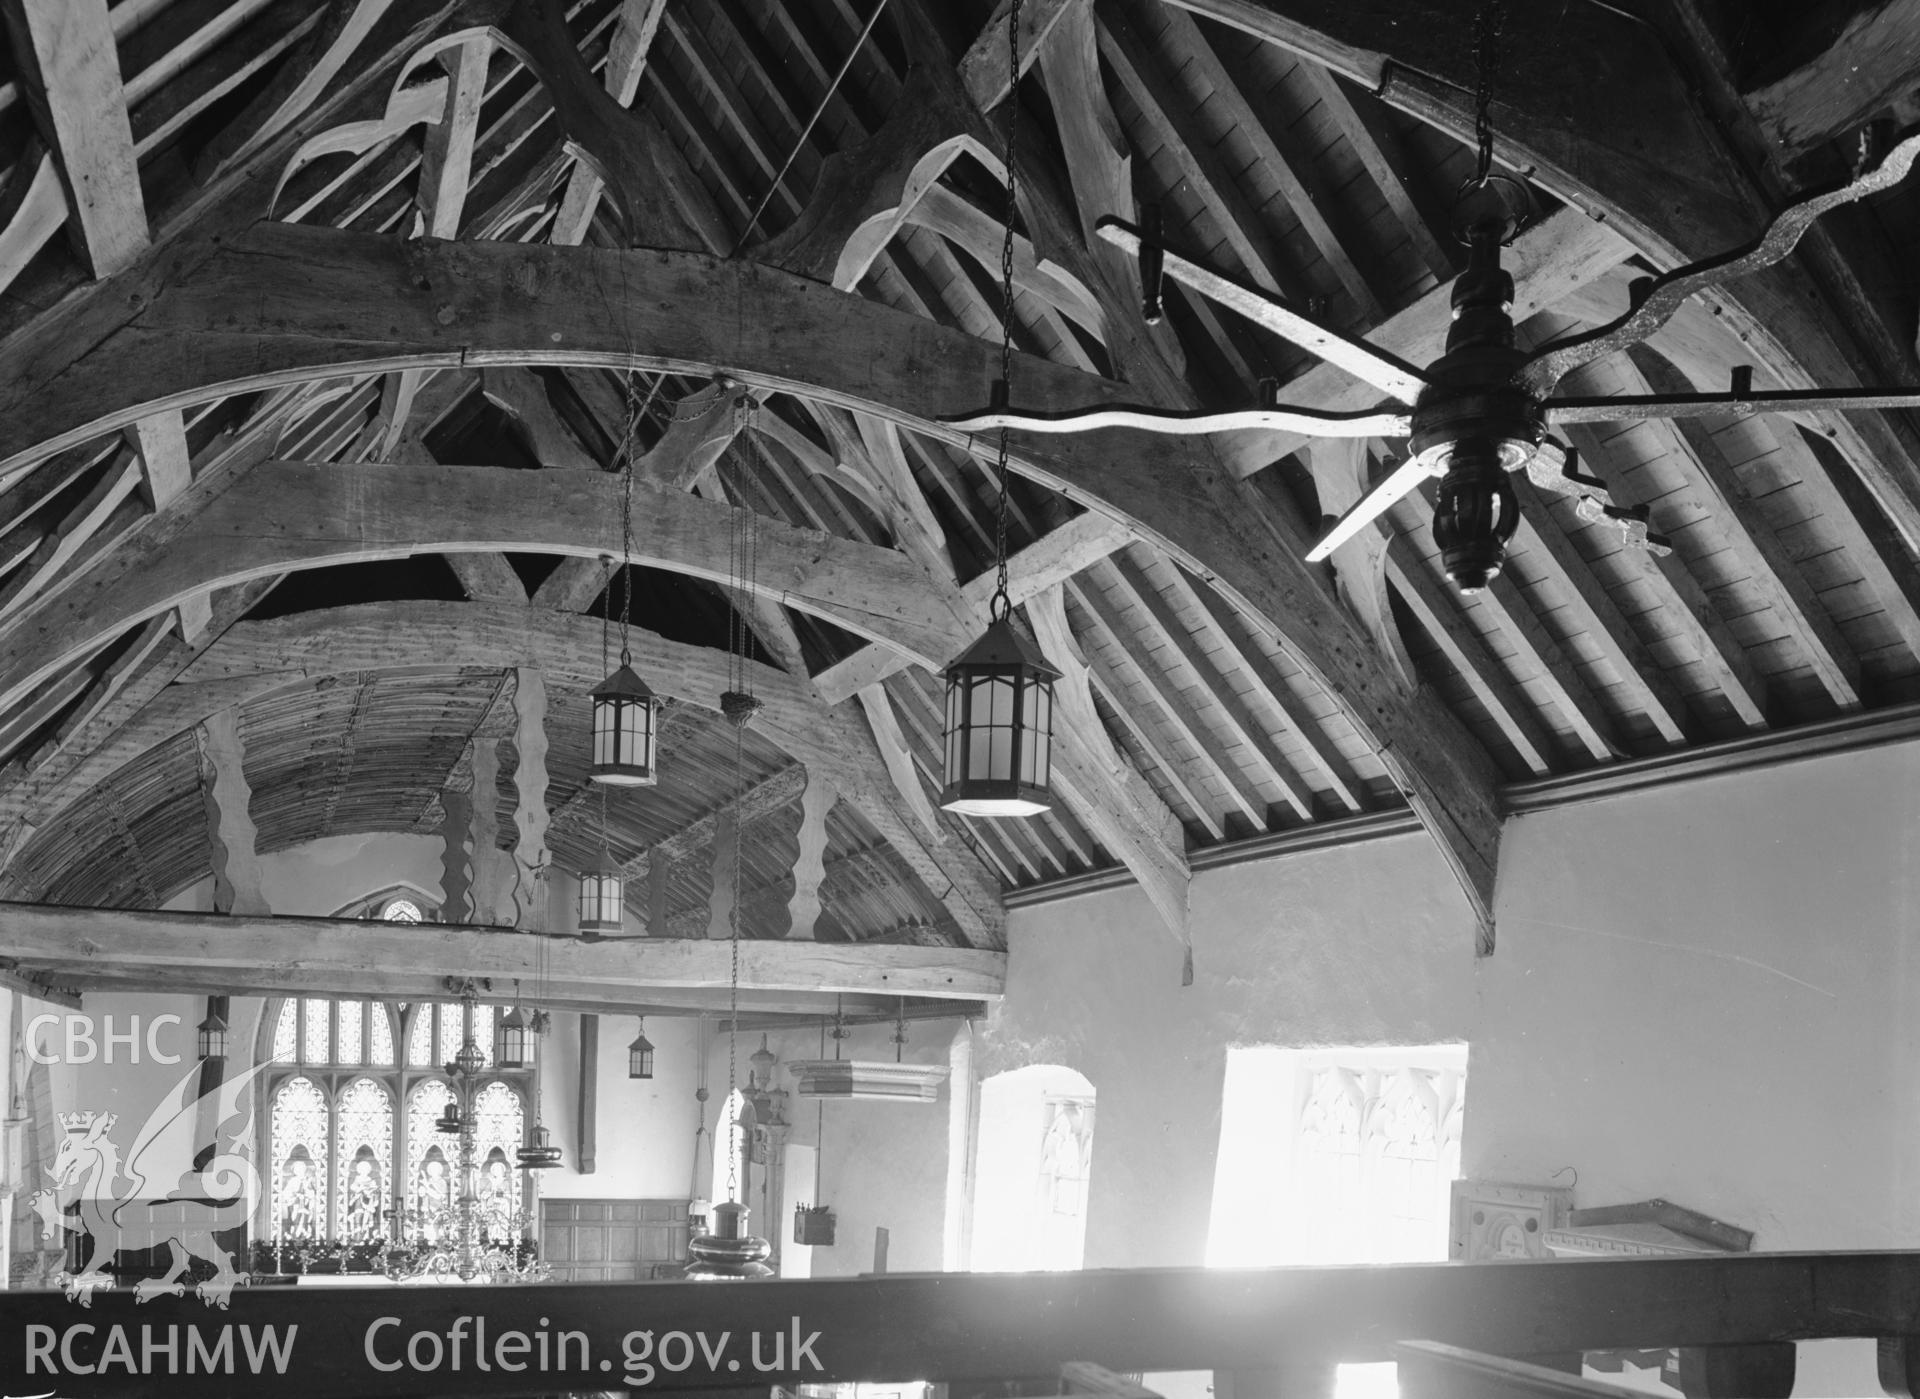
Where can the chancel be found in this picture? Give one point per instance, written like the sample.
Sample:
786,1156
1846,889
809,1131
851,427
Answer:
950,699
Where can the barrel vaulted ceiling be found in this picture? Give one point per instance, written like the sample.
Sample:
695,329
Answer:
322,323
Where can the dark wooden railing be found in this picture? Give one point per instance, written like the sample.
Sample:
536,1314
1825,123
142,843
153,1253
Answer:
1267,1334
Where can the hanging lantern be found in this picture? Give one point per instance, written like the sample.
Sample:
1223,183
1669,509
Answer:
640,1055
513,1042
540,1154
999,735
449,1120
602,888
729,1253
626,717
211,1040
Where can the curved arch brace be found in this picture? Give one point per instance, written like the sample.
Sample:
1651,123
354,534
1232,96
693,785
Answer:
875,232
280,304
290,516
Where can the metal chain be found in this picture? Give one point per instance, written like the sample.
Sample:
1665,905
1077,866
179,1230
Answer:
1488,25
629,448
1002,603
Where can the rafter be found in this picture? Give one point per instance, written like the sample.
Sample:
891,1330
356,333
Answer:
1775,572
1119,806
1203,168
627,53
1549,261
1306,196
755,804
1437,609
907,370
1181,711
1701,347
1657,169
68,58
1252,734
1342,472
1364,120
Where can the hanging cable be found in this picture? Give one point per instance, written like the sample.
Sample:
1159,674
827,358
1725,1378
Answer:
807,130
820,1123
700,1095
1002,605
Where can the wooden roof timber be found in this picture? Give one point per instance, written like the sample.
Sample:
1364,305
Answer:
1693,199
350,955
1201,515
1578,245
259,658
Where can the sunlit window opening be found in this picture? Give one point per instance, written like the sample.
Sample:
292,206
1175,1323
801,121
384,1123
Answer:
1035,1165
1341,1155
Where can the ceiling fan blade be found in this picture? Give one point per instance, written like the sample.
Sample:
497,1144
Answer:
1308,421
1632,407
1371,506
1388,373
1554,362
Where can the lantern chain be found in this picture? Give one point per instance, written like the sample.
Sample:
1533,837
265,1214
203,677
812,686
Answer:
628,449
1002,603
1488,26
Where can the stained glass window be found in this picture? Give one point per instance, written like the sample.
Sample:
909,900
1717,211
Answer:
420,1038
317,1046
499,1128
451,1031
299,1122
431,1161
349,1042
363,1156
401,911
351,1137
381,1024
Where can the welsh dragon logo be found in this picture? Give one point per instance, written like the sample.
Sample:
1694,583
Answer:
157,1196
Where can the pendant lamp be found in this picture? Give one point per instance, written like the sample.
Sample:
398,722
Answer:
626,714
640,1054
513,1045
210,1039
602,894
999,722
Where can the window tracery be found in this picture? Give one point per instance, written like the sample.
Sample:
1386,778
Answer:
355,1153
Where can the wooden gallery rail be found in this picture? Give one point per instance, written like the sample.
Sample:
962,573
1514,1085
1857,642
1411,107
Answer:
1269,1334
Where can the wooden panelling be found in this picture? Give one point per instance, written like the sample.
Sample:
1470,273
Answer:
612,1240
